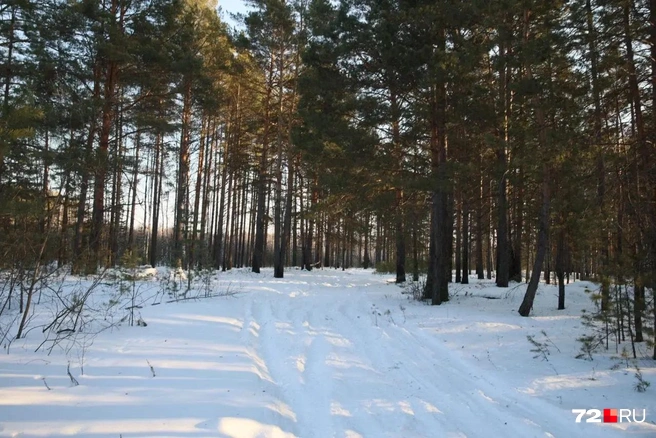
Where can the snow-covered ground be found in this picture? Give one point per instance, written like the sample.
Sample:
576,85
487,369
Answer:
325,354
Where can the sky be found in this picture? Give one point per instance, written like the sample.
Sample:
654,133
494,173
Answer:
232,6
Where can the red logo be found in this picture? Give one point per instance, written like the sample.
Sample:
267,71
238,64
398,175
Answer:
610,415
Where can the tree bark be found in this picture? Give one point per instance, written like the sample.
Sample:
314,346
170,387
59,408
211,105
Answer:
459,243
157,195
181,213
133,202
437,281
541,250
111,70
204,134
516,240
327,233
479,227
560,267
543,228
219,235
278,238
503,249
465,242
258,251
641,154
117,192
366,261
415,252
399,207
84,184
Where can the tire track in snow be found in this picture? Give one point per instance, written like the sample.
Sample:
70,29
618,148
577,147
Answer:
299,365
411,409
306,332
254,334
447,403
317,383
395,408
461,391
543,417
271,351
342,370
249,340
302,384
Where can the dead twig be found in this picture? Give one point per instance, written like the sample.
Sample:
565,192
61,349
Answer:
73,379
152,370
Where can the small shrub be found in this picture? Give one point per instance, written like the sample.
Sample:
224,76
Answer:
416,289
641,384
386,267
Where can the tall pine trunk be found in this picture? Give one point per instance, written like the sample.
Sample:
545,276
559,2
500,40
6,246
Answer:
258,250
278,238
110,69
133,202
193,253
541,250
181,211
516,240
157,196
560,266
465,242
503,249
117,192
480,274
543,227
458,242
219,235
399,207
437,281
98,214
86,174
639,156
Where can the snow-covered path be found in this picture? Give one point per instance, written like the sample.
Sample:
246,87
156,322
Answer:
341,365
320,354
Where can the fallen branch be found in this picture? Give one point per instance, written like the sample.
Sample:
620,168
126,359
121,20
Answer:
152,370
225,294
73,379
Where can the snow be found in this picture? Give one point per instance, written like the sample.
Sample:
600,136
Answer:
326,353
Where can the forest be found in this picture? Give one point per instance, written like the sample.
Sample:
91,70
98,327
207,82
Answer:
511,139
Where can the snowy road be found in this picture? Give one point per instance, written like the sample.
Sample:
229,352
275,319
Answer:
347,368
341,370
321,354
